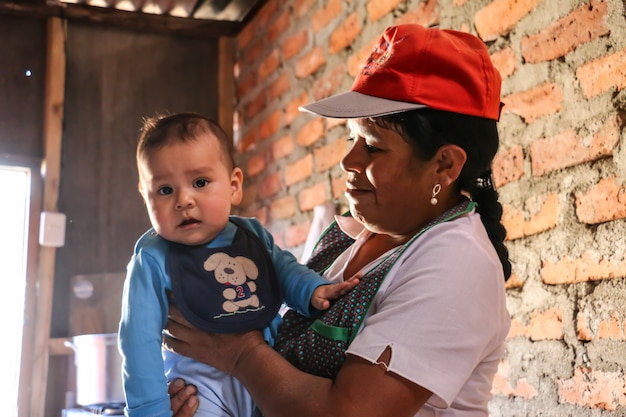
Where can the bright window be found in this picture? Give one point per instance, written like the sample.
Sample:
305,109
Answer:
15,184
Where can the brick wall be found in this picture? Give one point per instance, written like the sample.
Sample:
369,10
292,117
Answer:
561,168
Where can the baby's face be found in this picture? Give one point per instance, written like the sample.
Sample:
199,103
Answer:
189,190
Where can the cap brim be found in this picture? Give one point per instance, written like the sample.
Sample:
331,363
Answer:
354,105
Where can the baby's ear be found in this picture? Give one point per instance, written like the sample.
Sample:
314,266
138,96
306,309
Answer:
213,261
236,185
249,267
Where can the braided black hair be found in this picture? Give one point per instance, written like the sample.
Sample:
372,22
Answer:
426,130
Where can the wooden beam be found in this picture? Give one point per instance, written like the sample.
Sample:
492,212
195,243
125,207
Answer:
136,21
53,129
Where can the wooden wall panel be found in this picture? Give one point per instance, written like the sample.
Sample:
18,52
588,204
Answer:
22,48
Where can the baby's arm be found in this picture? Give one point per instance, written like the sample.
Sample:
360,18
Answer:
324,294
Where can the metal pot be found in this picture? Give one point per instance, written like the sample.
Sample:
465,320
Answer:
98,368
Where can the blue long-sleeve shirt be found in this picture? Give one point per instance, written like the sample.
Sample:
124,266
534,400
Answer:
145,310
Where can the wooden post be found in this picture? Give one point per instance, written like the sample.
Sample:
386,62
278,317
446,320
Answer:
53,129
226,84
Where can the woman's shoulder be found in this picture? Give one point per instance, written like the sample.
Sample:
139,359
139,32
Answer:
460,244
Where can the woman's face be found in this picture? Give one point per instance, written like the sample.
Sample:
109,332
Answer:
388,187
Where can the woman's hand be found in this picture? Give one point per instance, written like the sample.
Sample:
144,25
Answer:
222,351
183,399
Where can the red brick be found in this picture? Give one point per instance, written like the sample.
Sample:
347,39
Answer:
302,7
377,9
514,282
517,329
253,52
602,74
567,149
603,202
279,87
278,27
256,105
613,328
329,84
532,104
247,84
270,186
249,140
310,63
500,16
270,125
295,44
299,170
338,186
246,35
261,214
312,196
345,34
250,194
426,14
279,238
256,165
593,389
590,266
332,123
291,111
519,224
508,166
253,211
563,36
282,147
266,13
310,133
297,234
502,384
546,325
269,65
505,61
327,157
283,208
322,17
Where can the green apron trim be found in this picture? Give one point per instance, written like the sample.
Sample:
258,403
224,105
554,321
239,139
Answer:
331,332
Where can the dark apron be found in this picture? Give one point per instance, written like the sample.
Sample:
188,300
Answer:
225,290
318,345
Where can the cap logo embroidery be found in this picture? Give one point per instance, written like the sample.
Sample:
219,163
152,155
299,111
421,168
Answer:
379,56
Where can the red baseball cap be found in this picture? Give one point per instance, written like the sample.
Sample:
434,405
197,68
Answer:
414,67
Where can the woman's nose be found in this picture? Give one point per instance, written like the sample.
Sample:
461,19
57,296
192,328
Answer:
349,162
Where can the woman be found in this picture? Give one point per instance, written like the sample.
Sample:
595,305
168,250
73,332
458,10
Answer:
424,230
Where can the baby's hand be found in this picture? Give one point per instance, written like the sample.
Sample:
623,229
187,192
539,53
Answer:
324,294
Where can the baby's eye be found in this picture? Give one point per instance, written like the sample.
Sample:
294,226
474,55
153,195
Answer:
200,183
165,191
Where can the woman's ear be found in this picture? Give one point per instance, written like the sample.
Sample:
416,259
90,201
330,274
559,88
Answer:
450,161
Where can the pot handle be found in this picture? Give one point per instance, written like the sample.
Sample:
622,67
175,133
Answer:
70,344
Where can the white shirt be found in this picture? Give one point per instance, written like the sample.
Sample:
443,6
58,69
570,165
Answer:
442,310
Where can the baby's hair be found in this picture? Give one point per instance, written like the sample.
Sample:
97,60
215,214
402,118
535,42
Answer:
161,130
426,130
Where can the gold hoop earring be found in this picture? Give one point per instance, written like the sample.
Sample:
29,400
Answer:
436,190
